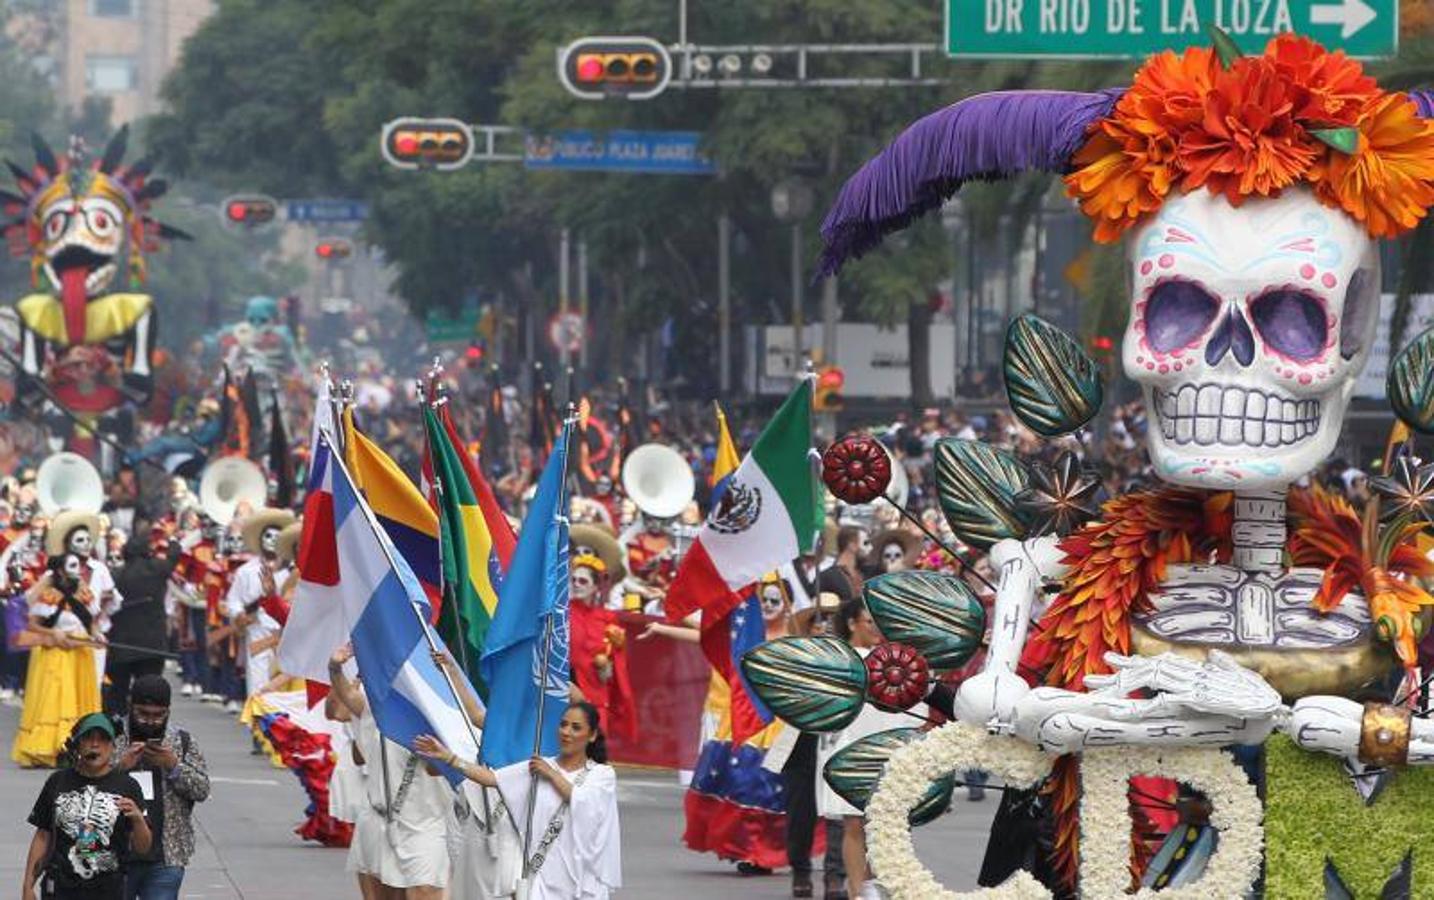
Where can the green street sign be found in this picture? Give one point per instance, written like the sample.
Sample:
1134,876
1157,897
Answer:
440,328
1133,29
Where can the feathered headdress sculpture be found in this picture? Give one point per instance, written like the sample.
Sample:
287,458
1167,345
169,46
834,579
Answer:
1208,118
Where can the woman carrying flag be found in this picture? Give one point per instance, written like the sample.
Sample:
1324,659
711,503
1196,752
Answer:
576,851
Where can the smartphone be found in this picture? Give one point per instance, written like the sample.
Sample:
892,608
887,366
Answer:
154,743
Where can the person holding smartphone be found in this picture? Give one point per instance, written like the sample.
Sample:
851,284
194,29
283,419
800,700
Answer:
88,819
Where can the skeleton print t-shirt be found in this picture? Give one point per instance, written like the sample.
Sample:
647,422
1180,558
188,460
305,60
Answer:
91,835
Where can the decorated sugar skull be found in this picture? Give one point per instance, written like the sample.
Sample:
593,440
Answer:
1248,328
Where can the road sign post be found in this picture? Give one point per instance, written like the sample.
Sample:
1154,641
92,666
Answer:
1132,29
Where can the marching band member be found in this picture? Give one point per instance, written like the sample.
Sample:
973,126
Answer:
651,559
61,686
260,578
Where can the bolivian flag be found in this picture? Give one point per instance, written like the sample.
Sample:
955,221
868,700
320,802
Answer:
477,543
406,517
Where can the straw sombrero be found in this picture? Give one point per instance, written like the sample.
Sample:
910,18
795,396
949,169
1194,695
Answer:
65,522
255,524
604,544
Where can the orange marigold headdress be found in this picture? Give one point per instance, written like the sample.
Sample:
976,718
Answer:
1206,118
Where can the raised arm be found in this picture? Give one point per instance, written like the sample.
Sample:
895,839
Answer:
471,707
347,692
430,747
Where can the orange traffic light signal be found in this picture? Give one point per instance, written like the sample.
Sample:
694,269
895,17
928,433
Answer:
249,210
333,249
412,143
827,395
598,67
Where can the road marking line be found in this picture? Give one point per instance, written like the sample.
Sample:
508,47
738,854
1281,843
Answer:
220,779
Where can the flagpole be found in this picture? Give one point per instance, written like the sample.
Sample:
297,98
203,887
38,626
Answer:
427,397
417,613
561,515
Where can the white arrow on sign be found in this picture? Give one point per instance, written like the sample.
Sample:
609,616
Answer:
1350,15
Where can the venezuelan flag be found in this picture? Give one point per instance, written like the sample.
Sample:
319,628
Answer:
477,543
406,517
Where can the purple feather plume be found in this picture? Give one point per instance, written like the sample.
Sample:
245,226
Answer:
1424,100
987,137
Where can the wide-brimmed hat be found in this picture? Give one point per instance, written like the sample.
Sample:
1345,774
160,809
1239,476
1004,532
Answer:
910,544
289,541
256,522
828,604
602,542
66,522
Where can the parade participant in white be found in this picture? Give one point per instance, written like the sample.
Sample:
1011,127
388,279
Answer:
576,852
74,531
256,579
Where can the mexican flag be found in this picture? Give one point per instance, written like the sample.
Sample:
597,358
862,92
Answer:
767,516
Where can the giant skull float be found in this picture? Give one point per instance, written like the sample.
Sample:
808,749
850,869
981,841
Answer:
85,226
1231,605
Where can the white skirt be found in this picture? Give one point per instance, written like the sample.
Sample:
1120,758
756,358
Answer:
477,873
417,855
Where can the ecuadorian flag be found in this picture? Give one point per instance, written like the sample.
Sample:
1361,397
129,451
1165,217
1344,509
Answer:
477,544
404,515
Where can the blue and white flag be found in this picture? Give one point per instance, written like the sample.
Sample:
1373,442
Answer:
532,602
387,615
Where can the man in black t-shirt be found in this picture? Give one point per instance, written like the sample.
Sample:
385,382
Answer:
87,820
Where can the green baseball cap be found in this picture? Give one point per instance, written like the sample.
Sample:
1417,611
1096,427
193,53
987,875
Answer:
91,722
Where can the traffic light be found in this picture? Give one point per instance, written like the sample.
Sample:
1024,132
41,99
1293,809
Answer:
828,398
411,143
595,68
249,210
333,249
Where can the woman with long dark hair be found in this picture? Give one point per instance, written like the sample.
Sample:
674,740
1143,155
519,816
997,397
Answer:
575,852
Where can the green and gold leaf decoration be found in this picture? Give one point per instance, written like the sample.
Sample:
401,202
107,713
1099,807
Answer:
977,486
1410,384
1052,385
938,615
854,771
811,683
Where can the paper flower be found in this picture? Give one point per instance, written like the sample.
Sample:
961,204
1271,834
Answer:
1407,491
897,677
1061,497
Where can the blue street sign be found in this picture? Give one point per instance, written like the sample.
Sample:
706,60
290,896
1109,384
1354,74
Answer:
652,152
326,210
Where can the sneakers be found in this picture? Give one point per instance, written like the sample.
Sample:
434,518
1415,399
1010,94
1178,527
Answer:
210,698
7,694
187,689
801,884
233,707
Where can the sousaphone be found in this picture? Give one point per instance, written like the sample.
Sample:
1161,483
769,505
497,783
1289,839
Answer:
658,480
68,481
228,482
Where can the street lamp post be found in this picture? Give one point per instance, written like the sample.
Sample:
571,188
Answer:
792,202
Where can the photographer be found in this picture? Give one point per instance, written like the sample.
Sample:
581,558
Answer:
170,770
88,820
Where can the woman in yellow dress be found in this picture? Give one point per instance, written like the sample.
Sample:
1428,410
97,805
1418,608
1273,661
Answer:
60,686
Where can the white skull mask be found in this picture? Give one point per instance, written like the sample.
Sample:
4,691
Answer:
1248,329
79,542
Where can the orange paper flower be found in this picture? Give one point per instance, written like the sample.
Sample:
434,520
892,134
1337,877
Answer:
1334,87
1388,182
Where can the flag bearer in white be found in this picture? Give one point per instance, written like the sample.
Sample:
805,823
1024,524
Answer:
401,837
576,851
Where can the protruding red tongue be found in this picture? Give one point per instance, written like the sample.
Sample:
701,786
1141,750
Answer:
74,299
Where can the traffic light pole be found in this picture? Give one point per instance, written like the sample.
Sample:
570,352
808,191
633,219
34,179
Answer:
564,283
583,301
724,304
798,349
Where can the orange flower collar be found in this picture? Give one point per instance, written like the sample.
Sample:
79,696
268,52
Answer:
1296,114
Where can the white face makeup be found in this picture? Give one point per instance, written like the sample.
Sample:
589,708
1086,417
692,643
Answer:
893,557
269,541
72,566
772,602
79,542
1248,329
583,584
864,544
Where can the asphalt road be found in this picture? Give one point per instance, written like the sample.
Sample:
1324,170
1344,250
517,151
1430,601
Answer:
247,848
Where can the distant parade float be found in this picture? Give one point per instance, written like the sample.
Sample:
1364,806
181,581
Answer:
1171,665
87,334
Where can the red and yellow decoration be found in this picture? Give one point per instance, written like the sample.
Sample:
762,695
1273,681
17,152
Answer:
1296,114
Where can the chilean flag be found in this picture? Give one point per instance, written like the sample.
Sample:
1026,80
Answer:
316,626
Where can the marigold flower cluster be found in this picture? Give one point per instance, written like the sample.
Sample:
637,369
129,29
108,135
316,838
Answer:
1253,129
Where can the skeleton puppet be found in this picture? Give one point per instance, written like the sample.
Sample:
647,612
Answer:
1251,192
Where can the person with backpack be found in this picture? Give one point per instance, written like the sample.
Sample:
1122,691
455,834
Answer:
165,760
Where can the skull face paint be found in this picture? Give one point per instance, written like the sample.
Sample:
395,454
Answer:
773,602
583,585
893,557
1248,329
72,567
269,541
79,541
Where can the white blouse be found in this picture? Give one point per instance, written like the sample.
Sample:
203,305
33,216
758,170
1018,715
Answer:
584,862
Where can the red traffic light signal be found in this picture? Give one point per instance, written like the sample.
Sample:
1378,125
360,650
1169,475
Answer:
1103,343
595,68
249,210
412,143
827,395
332,249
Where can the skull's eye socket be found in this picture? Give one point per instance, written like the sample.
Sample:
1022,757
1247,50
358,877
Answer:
55,224
1177,313
1292,323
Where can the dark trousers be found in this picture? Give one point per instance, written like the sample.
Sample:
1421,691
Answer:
194,663
833,866
799,781
121,674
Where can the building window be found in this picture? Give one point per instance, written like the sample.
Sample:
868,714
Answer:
113,9
111,74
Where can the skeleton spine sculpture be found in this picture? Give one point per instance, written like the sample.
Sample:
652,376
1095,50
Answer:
83,223
1251,191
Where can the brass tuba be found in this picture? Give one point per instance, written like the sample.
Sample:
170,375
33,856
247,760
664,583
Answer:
68,481
228,482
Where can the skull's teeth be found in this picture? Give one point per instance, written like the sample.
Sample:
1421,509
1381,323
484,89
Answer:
1207,415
